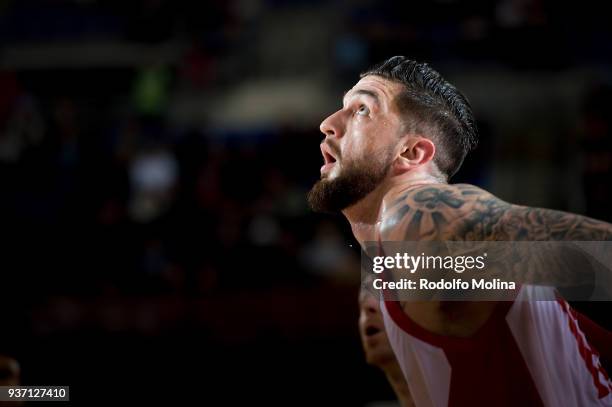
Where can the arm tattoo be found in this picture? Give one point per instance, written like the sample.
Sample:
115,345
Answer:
467,213
464,212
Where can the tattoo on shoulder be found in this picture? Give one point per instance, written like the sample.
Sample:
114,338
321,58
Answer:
466,212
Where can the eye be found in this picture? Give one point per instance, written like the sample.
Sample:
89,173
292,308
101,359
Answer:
363,110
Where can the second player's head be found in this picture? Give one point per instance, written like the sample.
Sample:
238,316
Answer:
401,117
374,339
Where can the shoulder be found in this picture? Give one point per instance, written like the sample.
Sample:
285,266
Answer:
438,212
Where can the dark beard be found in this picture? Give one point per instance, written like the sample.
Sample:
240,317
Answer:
351,186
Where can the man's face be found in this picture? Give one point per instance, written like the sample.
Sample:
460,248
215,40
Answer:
361,143
374,339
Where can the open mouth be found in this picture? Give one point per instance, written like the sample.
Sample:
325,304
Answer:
328,158
371,331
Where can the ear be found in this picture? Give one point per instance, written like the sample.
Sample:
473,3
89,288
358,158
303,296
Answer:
416,151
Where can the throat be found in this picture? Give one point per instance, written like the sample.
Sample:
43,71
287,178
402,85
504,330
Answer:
365,211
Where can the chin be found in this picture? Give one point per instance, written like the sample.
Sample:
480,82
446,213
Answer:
379,357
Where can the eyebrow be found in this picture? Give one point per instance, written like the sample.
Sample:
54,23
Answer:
364,92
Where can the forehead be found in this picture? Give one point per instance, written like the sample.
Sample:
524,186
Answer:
384,89
365,291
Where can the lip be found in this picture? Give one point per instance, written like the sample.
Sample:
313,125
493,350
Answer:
328,157
372,330
327,167
373,340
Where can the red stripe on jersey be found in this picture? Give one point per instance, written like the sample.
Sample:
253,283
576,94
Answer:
588,354
487,369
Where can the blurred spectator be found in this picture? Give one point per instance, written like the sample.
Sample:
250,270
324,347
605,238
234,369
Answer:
329,255
153,178
10,371
10,374
597,151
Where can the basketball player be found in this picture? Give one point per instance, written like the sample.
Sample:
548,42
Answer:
376,346
389,152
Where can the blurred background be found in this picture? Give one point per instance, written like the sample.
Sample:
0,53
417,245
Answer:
154,160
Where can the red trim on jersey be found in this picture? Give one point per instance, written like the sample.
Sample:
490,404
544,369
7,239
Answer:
588,354
444,341
599,338
487,369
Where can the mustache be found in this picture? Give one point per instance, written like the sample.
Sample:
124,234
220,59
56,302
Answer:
334,148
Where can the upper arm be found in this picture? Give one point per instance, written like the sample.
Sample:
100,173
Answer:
468,213
465,212
546,224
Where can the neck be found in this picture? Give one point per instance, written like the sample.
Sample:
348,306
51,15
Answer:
398,383
365,214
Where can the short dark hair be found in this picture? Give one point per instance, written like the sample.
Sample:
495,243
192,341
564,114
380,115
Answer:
433,107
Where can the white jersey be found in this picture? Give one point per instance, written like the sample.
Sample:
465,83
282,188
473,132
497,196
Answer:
529,353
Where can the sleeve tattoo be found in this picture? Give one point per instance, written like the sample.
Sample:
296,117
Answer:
467,213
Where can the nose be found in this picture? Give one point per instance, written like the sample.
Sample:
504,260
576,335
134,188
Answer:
331,126
370,305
